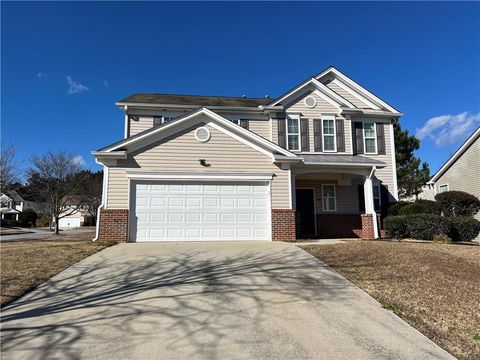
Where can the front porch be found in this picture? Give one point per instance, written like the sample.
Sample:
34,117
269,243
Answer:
339,202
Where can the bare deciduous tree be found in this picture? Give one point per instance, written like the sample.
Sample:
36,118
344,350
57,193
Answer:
89,188
8,166
53,177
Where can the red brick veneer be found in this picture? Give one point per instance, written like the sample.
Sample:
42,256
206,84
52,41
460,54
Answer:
283,225
339,225
113,225
367,227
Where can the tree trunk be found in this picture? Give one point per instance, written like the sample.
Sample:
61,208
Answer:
57,231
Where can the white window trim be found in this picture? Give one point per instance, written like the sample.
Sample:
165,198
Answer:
439,186
375,138
235,121
334,134
294,117
334,198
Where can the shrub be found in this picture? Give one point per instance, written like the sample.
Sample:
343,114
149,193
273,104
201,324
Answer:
464,228
396,226
442,239
426,226
420,226
430,206
395,207
43,221
457,203
27,217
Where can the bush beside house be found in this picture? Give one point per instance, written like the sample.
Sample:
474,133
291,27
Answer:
450,215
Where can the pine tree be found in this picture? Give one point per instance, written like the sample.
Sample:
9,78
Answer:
410,175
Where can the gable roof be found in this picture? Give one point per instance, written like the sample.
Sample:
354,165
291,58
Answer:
236,129
356,87
14,195
192,100
319,86
471,139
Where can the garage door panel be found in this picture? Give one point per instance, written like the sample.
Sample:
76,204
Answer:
196,211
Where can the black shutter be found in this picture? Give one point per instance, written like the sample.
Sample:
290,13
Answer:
385,199
340,135
381,139
244,124
358,138
361,199
304,138
317,134
282,128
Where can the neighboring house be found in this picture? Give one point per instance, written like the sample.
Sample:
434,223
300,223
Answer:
12,204
461,172
318,161
74,215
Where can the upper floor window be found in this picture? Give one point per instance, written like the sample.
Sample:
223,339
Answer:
328,197
235,121
159,120
293,133
370,138
328,129
443,188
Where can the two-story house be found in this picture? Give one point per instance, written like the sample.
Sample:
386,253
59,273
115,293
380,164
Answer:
318,161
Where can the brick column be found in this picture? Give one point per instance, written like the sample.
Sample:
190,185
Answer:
113,225
367,227
283,225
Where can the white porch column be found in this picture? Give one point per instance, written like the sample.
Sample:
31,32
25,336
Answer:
369,204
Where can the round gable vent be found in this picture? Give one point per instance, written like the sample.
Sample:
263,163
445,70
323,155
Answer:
202,134
310,101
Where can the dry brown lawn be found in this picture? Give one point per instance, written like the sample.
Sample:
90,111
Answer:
434,287
28,263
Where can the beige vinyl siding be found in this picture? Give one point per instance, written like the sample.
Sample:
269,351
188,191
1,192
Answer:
274,138
181,154
464,174
322,107
260,127
346,95
143,123
346,196
386,174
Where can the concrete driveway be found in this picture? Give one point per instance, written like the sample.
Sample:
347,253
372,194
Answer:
205,301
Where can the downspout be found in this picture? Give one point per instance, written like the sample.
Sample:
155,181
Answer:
374,214
104,199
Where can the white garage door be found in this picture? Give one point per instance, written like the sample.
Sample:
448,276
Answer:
69,222
200,211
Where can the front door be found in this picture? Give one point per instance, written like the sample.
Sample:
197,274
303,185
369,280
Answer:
305,212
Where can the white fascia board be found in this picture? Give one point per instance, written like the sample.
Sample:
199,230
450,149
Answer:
358,88
200,176
455,156
109,155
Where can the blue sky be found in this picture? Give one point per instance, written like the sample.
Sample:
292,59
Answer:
65,64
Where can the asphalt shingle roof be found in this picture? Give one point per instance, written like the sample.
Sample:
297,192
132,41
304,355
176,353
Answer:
194,100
